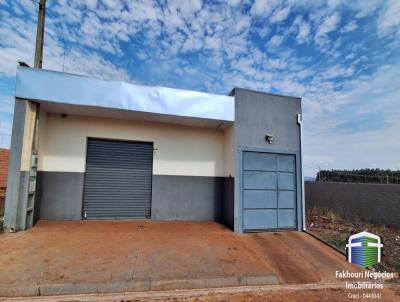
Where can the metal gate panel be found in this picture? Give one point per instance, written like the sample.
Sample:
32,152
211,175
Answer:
259,199
259,162
286,181
259,180
286,191
286,218
117,179
269,191
260,219
286,163
286,199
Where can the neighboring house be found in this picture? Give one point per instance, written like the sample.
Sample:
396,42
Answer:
114,150
4,153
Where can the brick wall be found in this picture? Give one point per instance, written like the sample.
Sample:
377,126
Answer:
4,153
377,203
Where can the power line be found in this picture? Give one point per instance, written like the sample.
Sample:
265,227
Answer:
59,24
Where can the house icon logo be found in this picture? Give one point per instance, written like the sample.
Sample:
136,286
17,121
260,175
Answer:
364,249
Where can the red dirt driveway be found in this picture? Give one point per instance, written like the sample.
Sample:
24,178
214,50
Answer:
117,256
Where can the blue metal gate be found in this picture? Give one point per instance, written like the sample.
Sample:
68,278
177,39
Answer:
269,191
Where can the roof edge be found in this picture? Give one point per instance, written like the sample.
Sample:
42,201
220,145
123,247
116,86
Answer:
233,91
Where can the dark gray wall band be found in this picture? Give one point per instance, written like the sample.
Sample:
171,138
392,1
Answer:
377,203
227,207
188,198
60,195
196,198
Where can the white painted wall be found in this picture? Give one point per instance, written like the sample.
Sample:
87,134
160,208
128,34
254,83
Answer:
181,150
29,131
42,133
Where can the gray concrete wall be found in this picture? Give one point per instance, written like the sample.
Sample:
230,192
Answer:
197,198
257,114
377,203
59,195
17,181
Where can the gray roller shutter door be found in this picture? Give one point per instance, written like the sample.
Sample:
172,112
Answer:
117,179
269,191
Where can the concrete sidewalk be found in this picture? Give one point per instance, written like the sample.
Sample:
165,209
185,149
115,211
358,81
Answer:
115,256
262,293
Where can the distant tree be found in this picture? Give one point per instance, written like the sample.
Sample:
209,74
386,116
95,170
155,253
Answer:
361,175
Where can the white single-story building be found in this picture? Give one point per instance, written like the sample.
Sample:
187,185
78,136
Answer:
85,148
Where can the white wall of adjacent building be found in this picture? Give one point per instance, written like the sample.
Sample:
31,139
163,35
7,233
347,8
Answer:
179,150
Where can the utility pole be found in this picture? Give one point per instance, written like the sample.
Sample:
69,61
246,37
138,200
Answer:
40,35
30,212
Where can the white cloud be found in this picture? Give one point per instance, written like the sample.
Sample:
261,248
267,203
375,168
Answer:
111,4
17,38
9,57
328,25
91,24
213,42
189,7
333,4
365,8
275,41
349,27
68,10
6,103
140,11
337,71
280,14
276,64
87,63
389,20
233,2
374,94
262,8
357,150
303,32
207,46
91,4
5,134
290,87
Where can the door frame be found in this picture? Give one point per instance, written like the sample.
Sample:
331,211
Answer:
240,192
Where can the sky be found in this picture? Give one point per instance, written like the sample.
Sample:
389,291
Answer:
341,57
